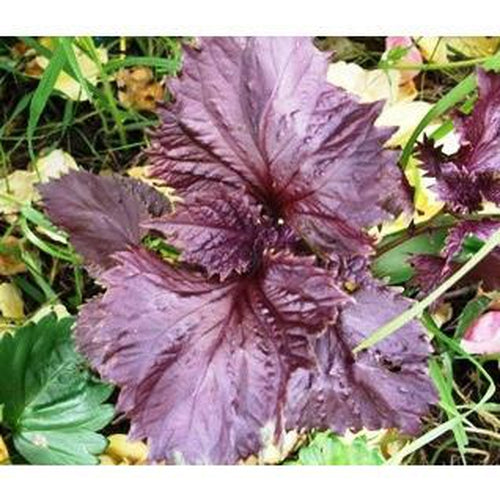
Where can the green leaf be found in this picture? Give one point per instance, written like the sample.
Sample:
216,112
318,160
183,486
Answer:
170,66
470,312
52,404
43,91
393,264
328,449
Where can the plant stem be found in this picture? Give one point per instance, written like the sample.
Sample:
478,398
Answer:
435,66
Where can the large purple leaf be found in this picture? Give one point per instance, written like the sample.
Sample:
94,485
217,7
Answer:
203,366
240,104
258,113
101,214
385,386
348,181
469,177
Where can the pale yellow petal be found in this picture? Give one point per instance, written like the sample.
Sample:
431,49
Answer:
106,460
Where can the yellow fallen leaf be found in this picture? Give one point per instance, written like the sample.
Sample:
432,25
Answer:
124,452
55,164
273,451
106,460
10,264
4,453
368,85
19,186
439,49
425,201
375,85
11,301
142,173
404,115
70,87
433,48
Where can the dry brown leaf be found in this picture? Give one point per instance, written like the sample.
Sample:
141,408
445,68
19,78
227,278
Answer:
137,88
10,264
33,68
11,301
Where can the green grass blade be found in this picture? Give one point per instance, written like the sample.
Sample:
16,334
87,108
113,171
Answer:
67,44
43,92
170,66
20,107
37,46
445,390
48,248
419,307
438,431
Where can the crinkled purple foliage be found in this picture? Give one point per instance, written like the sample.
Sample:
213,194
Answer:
470,176
280,173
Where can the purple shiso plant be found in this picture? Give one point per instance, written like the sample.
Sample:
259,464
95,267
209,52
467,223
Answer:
252,329
465,180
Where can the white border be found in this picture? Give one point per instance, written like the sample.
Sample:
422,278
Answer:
245,17
241,483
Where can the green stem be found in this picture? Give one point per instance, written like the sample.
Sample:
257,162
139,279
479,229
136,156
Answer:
436,66
401,320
